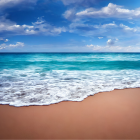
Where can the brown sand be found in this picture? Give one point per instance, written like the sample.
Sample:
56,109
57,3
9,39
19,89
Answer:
113,114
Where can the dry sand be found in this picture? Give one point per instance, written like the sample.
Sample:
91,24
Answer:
113,115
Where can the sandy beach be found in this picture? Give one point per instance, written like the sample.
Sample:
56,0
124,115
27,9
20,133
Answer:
114,114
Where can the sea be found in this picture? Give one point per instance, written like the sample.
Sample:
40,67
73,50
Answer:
48,78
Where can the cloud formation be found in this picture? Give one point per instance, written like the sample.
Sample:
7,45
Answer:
110,29
5,40
98,48
111,42
100,37
110,11
38,27
94,47
42,27
70,14
18,44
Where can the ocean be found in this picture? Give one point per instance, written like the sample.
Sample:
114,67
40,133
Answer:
47,78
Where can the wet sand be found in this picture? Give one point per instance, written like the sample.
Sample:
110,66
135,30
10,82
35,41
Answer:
113,115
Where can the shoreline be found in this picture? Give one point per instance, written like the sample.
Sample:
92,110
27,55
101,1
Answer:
113,114
68,100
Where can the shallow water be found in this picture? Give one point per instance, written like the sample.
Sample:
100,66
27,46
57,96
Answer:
47,78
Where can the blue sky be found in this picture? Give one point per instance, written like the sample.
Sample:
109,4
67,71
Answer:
69,26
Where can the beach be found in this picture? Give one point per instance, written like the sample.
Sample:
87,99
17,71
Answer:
69,69
114,115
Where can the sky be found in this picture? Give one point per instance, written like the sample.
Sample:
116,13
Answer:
69,25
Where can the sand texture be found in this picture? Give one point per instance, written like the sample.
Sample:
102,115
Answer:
113,115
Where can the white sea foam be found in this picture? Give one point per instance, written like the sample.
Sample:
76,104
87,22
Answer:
27,87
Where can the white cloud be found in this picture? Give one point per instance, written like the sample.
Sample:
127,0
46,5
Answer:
109,25
111,42
3,46
5,40
4,4
106,30
47,29
126,28
70,14
88,26
12,28
18,44
113,48
131,22
89,46
100,37
94,47
38,27
112,10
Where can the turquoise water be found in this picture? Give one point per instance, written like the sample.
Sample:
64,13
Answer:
47,78
69,61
